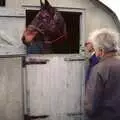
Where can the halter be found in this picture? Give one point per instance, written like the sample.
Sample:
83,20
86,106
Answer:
53,41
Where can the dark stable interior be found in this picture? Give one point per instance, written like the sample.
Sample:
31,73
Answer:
72,20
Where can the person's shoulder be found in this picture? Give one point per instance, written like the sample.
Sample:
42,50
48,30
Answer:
103,65
99,66
111,60
115,61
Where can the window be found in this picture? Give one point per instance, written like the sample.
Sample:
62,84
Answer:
72,20
2,3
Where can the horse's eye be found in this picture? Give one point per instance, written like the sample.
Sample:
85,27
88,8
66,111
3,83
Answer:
45,16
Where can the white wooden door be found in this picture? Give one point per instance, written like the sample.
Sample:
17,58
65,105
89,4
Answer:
55,85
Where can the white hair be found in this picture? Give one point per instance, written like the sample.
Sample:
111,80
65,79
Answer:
105,39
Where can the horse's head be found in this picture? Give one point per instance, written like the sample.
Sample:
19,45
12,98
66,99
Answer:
48,22
36,25
47,27
44,18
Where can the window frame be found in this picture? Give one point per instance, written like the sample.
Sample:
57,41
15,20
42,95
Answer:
82,26
67,9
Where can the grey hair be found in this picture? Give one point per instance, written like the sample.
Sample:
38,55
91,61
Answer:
105,39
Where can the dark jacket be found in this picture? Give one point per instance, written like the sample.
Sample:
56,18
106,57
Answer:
102,99
93,60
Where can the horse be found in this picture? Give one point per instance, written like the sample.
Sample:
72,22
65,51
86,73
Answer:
47,31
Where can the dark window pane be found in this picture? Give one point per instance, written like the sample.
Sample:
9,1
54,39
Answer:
2,2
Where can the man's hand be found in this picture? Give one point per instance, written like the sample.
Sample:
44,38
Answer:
29,35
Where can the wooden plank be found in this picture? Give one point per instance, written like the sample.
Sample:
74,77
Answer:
11,99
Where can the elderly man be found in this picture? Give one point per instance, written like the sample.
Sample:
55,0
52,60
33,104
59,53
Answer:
102,98
93,59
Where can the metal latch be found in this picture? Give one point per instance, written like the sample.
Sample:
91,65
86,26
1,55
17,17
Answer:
74,59
36,61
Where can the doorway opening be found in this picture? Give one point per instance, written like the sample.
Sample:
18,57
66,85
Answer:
72,20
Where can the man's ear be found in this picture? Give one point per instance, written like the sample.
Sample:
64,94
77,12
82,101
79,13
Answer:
101,51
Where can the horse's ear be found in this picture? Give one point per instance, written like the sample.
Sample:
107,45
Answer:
47,4
41,3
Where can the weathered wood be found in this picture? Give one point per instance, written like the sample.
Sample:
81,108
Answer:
55,88
11,98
